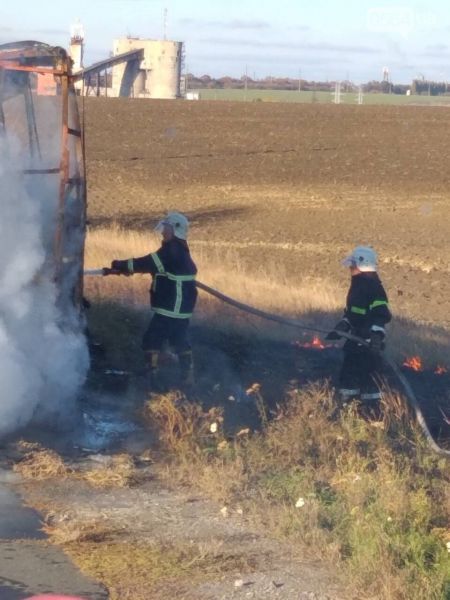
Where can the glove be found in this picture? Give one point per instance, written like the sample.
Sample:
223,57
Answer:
376,343
119,265
343,326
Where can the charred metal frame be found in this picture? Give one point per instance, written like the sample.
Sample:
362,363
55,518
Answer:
29,58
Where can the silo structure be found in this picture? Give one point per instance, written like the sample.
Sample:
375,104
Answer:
124,74
162,63
139,84
156,75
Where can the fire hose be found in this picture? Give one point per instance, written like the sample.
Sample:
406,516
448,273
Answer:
409,393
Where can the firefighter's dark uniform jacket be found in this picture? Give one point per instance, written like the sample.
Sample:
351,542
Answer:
173,292
367,312
367,308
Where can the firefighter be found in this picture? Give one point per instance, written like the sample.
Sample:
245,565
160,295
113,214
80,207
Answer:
365,316
173,295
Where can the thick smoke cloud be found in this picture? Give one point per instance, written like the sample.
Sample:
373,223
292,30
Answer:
43,352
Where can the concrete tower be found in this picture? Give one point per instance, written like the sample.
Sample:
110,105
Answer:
77,45
156,75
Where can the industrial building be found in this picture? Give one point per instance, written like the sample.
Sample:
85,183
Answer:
156,75
141,68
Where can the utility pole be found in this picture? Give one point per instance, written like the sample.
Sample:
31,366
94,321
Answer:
360,95
337,92
299,80
165,22
245,83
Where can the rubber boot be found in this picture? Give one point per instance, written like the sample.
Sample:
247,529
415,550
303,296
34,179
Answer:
154,373
347,397
186,362
371,406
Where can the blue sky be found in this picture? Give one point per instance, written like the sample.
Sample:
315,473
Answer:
322,39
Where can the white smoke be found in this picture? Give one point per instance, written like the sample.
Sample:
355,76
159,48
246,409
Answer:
43,352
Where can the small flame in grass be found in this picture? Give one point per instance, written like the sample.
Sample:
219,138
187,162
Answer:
414,363
254,389
316,343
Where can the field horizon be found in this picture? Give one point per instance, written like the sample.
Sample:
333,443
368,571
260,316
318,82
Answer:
319,97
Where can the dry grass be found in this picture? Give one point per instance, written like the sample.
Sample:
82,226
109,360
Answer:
69,531
315,301
366,496
219,267
40,464
119,472
139,571
191,434
181,423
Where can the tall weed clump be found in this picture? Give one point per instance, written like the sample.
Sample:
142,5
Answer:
366,495
197,449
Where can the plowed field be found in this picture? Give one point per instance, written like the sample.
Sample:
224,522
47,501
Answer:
294,185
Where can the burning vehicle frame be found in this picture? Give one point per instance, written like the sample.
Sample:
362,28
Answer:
23,65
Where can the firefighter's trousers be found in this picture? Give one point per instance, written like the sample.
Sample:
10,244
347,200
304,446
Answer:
166,329
174,331
360,374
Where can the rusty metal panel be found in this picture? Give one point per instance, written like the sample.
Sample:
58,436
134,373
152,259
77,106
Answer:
40,130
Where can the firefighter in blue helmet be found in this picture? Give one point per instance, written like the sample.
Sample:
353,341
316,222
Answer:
365,316
173,295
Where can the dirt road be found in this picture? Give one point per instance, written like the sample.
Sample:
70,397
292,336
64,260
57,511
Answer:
29,564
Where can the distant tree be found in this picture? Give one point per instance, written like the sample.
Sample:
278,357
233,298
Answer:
400,89
226,82
386,87
423,87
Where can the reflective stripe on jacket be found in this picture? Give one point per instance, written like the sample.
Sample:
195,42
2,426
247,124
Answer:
173,292
367,304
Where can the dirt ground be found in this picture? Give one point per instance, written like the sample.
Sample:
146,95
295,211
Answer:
241,562
292,185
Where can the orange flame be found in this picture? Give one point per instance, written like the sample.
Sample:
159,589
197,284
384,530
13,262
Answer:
414,363
316,343
440,370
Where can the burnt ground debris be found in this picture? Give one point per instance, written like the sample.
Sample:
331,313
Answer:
228,364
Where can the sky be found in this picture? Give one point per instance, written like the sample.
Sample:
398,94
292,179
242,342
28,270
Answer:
314,39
